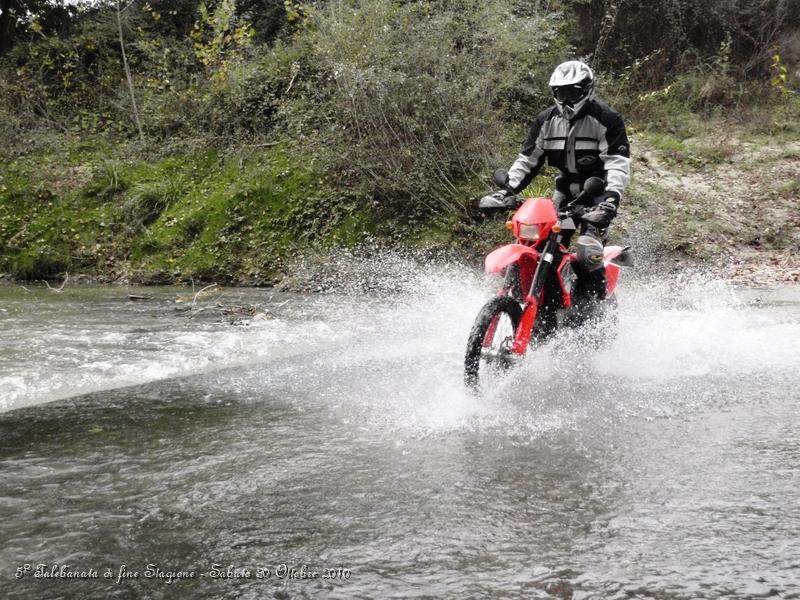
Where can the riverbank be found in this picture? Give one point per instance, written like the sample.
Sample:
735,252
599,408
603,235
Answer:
729,201
253,217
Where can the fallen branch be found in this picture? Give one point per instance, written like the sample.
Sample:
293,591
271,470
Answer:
237,314
262,145
194,313
295,71
58,290
208,287
185,299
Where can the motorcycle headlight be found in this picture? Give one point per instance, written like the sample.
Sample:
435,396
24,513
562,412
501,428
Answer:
529,232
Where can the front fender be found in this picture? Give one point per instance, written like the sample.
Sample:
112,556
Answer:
619,255
499,259
613,257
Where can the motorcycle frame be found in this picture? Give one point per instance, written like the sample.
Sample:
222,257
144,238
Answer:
534,262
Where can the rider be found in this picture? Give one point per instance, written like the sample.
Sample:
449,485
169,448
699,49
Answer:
582,137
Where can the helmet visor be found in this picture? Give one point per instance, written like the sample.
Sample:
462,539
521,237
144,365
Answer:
569,94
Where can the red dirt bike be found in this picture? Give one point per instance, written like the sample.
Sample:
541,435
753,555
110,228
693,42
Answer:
541,291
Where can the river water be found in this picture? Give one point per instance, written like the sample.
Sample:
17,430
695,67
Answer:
329,450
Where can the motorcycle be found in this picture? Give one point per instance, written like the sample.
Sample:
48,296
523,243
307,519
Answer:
540,291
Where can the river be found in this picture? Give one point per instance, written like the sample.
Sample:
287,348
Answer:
328,449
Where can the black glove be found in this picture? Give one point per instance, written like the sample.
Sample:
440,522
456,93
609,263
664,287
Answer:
500,200
603,212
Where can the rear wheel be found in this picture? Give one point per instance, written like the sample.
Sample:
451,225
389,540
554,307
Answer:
491,338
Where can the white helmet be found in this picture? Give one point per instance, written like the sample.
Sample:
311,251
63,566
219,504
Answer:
573,86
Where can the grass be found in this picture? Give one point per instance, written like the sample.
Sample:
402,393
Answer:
193,216
705,147
85,204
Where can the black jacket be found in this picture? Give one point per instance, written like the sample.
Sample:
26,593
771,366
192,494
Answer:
593,144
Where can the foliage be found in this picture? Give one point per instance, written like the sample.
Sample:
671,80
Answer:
699,90
58,82
21,19
275,124
411,99
268,17
780,75
675,33
219,39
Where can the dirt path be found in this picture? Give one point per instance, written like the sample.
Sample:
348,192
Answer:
734,206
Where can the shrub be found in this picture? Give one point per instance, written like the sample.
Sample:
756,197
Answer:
682,30
146,201
411,99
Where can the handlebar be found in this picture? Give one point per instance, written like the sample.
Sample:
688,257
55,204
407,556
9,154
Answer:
574,212
593,187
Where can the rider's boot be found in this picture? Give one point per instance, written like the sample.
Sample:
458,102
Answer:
590,268
590,287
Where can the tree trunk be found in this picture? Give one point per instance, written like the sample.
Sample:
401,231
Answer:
128,73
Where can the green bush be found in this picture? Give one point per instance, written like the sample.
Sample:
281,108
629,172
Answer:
66,82
147,200
680,32
407,101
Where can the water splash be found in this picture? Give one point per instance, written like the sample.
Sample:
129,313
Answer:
386,340
661,465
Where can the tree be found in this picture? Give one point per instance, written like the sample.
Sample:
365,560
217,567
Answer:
23,17
128,77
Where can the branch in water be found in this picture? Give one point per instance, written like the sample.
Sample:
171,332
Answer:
58,289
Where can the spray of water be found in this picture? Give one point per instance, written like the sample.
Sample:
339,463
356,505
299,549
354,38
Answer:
383,344
685,340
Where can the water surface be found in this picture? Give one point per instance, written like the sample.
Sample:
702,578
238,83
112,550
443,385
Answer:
336,434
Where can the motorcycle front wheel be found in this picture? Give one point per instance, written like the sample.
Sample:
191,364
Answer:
490,340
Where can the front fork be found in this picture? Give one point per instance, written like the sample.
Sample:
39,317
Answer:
535,296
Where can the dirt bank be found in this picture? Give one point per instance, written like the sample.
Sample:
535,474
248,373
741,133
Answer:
733,205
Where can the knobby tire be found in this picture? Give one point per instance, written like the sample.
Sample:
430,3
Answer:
494,308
